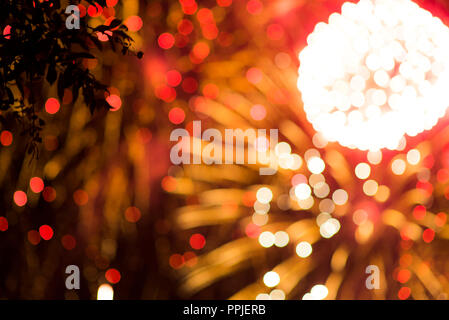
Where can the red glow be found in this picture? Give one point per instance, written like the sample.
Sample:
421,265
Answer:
444,158
20,198
181,40
176,115
225,39
278,96
275,31
249,198
112,90
80,197
254,6
211,91
403,275
210,31
197,241
176,261
50,142
36,184
254,75
428,235
3,224
201,50
68,242
52,106
189,85
405,232
198,104
425,186
83,10
169,184
89,64
252,230
111,3
108,20
174,78
419,212
109,13
132,214
114,101
6,138
7,32
134,23
185,27
166,40
33,237
224,3
104,36
166,93
190,259
94,11
49,194
113,275
68,96
189,6
440,219
429,161
404,293
46,232
443,175
406,260
406,244
187,2
144,135
204,15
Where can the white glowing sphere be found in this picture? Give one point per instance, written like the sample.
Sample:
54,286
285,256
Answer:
271,279
319,292
374,73
105,292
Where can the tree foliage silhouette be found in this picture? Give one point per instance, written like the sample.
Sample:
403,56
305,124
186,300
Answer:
37,47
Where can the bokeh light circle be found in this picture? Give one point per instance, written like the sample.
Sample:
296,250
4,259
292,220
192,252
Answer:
46,232
113,275
374,73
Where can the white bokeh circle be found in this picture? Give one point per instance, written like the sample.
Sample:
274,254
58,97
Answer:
374,73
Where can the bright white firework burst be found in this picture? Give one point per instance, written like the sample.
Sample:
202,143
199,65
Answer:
376,72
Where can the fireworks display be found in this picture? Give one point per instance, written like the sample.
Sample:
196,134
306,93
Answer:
380,64
356,92
310,231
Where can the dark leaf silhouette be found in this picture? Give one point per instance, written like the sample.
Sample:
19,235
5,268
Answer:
39,51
